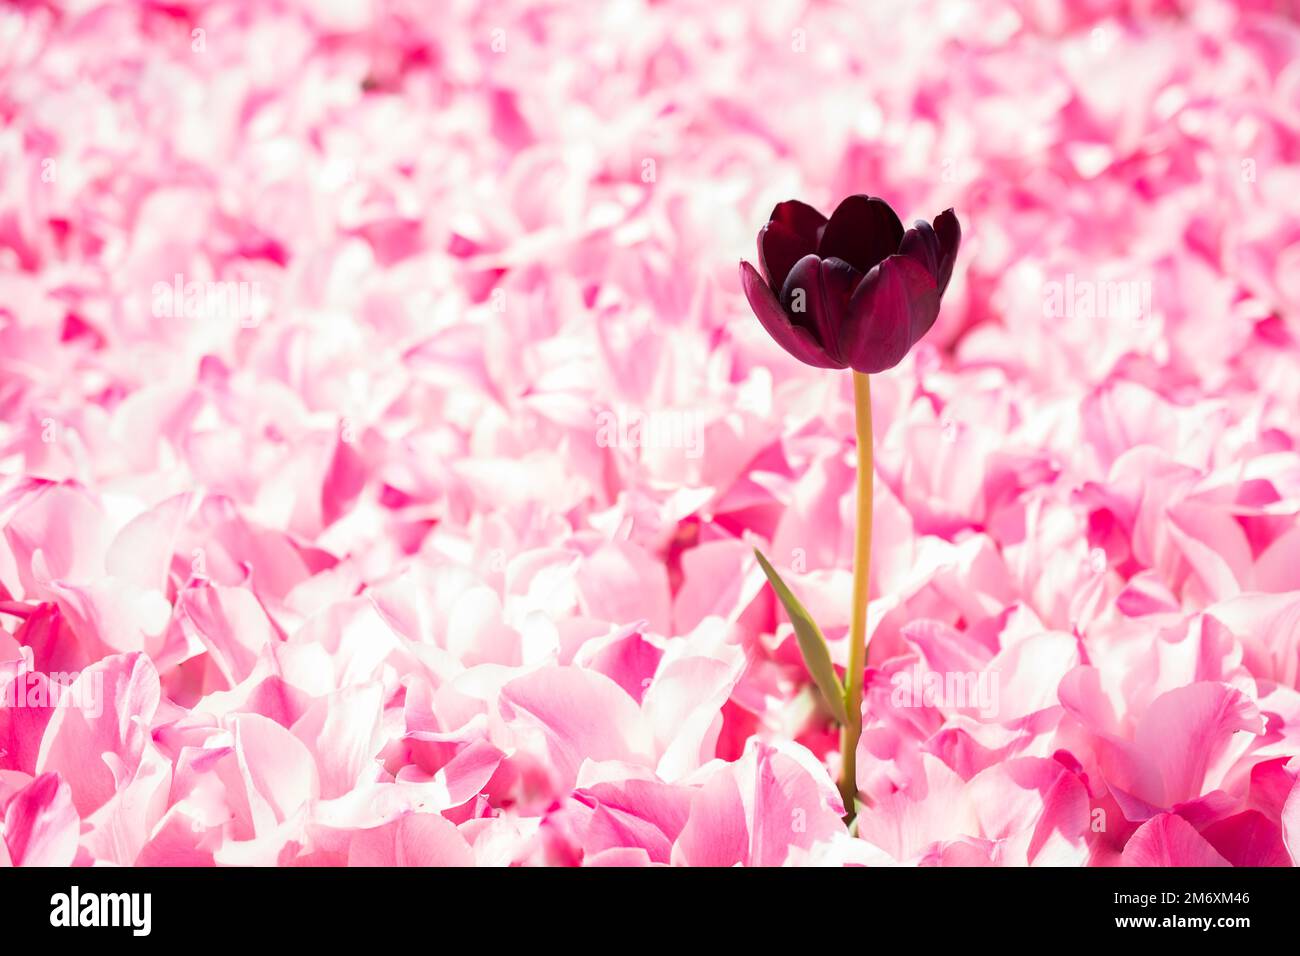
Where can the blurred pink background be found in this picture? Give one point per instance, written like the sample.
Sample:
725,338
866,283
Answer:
384,436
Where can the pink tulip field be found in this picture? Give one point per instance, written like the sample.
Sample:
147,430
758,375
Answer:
388,427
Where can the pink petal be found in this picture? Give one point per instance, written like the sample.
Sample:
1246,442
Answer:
418,839
559,701
41,825
1169,840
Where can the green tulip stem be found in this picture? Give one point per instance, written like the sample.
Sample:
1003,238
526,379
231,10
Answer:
858,624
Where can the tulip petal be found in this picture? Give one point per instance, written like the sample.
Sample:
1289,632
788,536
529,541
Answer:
779,248
827,287
1169,840
794,339
801,219
40,824
922,244
862,231
419,839
894,305
948,230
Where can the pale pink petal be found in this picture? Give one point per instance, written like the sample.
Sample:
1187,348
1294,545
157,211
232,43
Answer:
418,839
716,833
96,742
1169,840
41,824
560,701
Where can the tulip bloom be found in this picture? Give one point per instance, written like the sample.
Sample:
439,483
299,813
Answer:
853,291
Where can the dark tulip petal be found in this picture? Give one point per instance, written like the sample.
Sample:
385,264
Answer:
801,219
948,231
894,305
827,286
803,297
862,231
779,248
922,244
796,340
839,281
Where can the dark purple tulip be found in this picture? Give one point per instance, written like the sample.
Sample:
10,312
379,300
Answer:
854,291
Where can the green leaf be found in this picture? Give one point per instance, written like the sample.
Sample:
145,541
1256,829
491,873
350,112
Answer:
816,655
